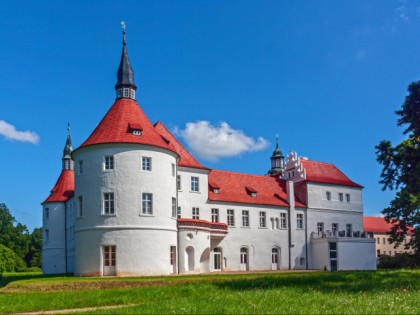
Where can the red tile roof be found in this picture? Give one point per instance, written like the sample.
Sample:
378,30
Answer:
233,188
115,127
322,172
63,189
378,225
186,159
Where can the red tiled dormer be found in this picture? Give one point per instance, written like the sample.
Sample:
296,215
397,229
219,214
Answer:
117,126
236,187
186,159
63,189
328,173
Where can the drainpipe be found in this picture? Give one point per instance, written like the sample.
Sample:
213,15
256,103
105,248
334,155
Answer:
65,236
306,228
292,215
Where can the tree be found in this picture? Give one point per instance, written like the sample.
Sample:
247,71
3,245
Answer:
9,261
34,257
401,171
17,237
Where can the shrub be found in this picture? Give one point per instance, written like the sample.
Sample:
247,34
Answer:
398,261
9,261
29,269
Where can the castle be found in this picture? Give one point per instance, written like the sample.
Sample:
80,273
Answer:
131,200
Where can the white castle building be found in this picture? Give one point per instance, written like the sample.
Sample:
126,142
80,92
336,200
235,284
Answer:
131,200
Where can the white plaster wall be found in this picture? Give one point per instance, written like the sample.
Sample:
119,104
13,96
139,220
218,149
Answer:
199,240
320,255
317,197
356,254
188,199
53,250
259,241
140,251
70,226
148,235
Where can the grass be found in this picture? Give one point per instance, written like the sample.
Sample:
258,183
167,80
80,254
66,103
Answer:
380,292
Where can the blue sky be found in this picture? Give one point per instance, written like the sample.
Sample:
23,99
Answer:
326,75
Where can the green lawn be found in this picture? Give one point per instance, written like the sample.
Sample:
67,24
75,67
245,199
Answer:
381,292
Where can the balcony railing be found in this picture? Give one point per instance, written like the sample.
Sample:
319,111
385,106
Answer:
344,233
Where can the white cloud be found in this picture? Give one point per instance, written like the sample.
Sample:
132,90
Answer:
214,142
10,133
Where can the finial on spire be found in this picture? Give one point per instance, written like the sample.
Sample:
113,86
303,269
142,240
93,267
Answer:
123,28
277,140
68,128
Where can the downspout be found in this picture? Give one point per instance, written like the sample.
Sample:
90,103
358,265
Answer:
177,231
65,236
306,228
292,217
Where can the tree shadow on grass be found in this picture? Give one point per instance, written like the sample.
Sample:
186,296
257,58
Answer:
346,282
6,279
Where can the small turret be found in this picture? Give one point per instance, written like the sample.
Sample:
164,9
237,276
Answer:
125,86
277,160
68,163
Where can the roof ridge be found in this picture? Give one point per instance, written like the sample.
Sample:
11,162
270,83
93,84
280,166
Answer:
241,173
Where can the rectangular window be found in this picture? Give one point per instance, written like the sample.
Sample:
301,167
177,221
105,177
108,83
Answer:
194,183
283,220
133,94
340,197
147,203
196,213
263,221
172,254
383,241
47,235
299,221
328,195
347,197
214,215
146,163
109,163
109,203
173,170
179,212
178,182
378,240
80,167
125,92
245,218
334,228
231,217
47,213
173,207
320,227
80,202
109,256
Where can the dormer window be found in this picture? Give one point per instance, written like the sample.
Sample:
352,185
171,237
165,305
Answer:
216,190
251,191
135,129
119,93
132,94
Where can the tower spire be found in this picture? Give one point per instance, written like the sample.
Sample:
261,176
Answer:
277,160
125,86
68,163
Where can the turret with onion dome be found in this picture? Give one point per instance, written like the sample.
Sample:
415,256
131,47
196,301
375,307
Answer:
277,160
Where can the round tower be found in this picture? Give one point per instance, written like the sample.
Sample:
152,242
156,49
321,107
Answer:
125,191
